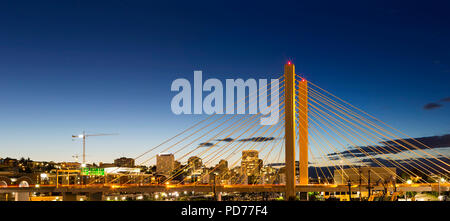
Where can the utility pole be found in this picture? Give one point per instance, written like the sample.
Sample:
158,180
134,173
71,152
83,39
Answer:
349,184
360,183
214,186
84,148
368,183
84,136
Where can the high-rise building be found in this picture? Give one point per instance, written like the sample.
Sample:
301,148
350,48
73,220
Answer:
269,175
222,166
194,163
250,164
177,165
165,163
124,162
222,171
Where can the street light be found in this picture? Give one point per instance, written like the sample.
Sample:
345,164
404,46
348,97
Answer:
409,181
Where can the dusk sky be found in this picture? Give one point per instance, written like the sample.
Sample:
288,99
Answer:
107,66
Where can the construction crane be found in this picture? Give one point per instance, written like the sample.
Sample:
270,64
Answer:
84,136
75,156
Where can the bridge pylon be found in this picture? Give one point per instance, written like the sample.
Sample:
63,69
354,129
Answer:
289,102
302,107
290,132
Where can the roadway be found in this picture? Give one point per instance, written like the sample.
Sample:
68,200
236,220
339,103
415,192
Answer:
135,188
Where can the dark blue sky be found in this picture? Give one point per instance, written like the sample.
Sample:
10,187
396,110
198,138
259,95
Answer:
107,66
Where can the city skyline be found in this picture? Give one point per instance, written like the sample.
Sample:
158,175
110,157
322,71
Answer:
310,102
112,70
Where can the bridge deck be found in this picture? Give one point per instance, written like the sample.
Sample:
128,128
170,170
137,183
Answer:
220,188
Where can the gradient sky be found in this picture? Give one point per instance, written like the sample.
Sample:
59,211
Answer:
107,66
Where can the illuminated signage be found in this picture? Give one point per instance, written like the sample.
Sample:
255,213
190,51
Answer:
93,171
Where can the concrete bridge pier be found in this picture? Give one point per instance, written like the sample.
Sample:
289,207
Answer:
68,196
96,196
4,183
303,196
4,196
22,196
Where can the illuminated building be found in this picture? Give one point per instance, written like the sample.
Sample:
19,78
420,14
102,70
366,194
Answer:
124,162
222,167
70,165
250,164
106,165
194,163
165,163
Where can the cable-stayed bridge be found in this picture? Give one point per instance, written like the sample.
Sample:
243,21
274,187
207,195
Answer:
320,144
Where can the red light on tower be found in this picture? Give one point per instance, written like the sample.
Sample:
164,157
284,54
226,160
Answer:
289,62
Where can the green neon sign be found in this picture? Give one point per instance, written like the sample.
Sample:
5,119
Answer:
93,171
